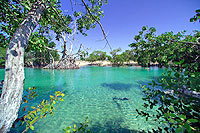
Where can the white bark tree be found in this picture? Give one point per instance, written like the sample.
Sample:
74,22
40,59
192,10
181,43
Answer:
14,68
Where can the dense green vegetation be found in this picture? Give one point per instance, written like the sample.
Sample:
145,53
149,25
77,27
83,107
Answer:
97,56
163,49
116,58
37,52
176,95
24,23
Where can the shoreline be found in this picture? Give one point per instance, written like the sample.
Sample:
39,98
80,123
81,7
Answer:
105,63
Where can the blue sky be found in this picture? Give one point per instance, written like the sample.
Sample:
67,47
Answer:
124,19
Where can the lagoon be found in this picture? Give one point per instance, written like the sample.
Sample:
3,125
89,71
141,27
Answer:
89,93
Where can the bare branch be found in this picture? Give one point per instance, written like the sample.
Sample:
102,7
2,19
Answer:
81,49
71,5
52,49
186,92
107,42
70,35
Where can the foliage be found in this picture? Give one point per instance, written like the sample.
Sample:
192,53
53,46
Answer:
40,111
126,56
120,59
13,13
174,95
162,49
83,55
52,20
37,51
97,56
2,56
143,46
76,129
115,59
196,17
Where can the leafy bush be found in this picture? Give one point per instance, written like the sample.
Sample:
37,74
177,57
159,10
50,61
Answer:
82,128
37,112
176,95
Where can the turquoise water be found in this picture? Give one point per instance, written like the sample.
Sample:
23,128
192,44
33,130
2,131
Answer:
90,92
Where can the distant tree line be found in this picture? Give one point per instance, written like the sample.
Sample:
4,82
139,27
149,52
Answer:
114,57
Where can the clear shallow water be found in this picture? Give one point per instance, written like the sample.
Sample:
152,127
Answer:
90,92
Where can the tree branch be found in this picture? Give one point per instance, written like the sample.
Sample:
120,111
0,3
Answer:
185,42
187,92
107,42
52,49
61,18
71,5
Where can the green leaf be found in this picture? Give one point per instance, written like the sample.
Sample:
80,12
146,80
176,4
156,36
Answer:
177,63
26,6
74,130
46,106
192,120
33,107
171,108
151,106
172,115
182,117
178,130
34,120
32,127
197,11
34,112
188,127
32,115
181,62
68,128
171,120
154,83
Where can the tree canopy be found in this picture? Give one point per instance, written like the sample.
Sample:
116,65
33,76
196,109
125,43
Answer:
19,20
175,96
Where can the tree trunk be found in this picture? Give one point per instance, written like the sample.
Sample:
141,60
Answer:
65,49
51,63
14,68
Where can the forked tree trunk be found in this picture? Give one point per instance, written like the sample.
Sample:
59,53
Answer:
14,68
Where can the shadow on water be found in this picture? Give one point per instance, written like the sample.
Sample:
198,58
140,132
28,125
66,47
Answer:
112,126
117,86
